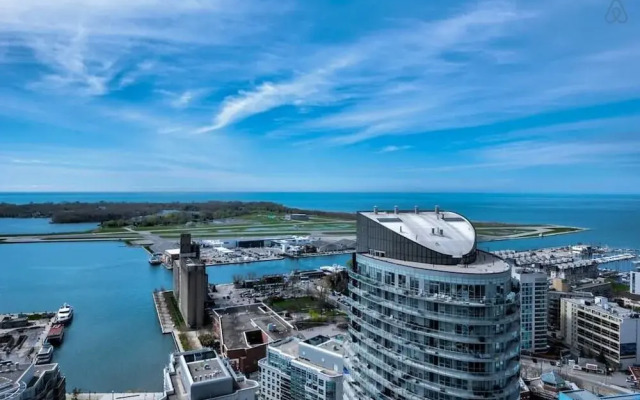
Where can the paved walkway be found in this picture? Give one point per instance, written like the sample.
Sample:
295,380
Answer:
115,396
164,316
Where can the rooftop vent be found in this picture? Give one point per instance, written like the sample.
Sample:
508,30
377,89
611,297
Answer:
437,210
416,210
395,209
375,209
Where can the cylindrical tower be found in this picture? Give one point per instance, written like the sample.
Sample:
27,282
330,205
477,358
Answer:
439,320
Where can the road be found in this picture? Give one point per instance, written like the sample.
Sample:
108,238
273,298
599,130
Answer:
616,382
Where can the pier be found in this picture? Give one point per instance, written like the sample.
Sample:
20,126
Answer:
614,258
164,316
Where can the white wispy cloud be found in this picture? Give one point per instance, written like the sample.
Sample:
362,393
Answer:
392,148
309,88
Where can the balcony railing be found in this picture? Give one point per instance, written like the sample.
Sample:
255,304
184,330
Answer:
480,301
465,375
510,314
511,389
422,330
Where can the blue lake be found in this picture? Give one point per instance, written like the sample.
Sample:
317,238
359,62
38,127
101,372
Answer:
13,226
114,342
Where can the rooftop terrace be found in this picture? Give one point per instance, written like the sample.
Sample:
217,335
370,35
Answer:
442,231
486,263
252,325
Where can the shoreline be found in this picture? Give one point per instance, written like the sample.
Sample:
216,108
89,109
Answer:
500,239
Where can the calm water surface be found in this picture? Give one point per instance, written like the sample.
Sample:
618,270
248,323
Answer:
114,342
13,226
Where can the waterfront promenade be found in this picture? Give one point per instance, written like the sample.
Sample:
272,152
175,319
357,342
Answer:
116,396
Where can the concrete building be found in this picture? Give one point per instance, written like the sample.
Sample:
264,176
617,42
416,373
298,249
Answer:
203,375
296,217
574,271
190,282
31,382
597,287
634,282
554,311
303,369
246,331
597,327
20,379
430,315
582,394
533,309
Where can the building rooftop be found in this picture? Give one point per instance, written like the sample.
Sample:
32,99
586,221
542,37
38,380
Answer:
207,369
442,231
251,325
553,379
582,394
333,346
213,374
486,263
602,305
15,360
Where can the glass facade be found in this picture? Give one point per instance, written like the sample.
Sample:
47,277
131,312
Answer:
447,336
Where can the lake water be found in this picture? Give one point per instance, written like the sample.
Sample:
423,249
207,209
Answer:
114,342
16,226
612,220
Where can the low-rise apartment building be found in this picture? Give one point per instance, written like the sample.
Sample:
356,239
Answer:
295,369
594,328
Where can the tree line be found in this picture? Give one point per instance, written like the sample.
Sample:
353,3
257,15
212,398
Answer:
148,214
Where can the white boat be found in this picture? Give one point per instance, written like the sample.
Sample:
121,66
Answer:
155,259
65,314
45,354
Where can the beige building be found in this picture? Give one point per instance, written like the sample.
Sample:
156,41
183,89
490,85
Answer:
597,327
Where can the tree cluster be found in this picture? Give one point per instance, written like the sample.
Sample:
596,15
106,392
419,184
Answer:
116,214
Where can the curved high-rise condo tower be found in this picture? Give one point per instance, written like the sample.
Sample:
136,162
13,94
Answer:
431,316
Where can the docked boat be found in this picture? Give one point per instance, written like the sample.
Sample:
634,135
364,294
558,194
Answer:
56,334
155,259
65,314
45,354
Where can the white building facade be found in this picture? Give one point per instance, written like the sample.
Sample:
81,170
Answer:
295,370
593,328
534,289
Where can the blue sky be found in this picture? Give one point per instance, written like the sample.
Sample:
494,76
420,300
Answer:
317,95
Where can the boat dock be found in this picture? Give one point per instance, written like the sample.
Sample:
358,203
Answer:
614,258
162,310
